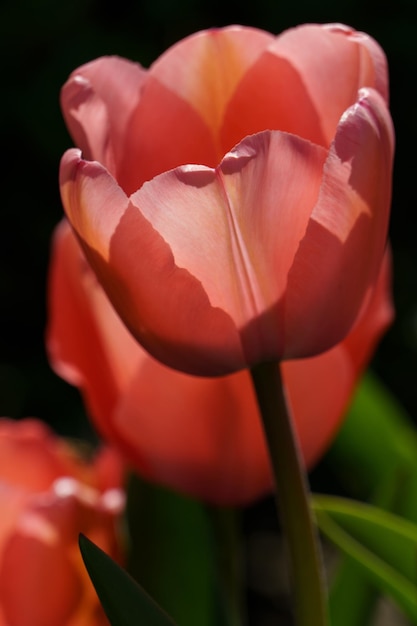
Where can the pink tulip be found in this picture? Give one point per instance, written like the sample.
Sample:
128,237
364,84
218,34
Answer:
202,436
233,199
48,496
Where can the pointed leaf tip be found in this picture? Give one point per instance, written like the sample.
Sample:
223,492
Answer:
124,601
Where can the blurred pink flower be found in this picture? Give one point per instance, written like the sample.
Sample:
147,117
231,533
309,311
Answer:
202,436
48,495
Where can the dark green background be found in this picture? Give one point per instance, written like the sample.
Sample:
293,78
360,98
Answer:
42,42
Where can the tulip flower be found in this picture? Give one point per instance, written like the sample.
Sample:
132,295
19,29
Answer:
202,436
233,199
48,496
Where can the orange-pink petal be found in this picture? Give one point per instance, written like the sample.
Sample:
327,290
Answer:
303,82
165,131
205,69
112,355
38,584
340,255
216,224
30,458
334,62
98,101
377,313
92,199
138,271
48,495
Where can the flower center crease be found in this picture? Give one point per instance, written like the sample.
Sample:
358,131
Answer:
249,299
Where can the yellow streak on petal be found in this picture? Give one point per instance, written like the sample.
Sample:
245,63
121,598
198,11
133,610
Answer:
215,62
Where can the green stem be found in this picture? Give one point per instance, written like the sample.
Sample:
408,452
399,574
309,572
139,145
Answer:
227,532
292,498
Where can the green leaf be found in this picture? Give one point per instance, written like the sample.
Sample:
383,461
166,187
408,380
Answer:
124,601
376,440
382,544
173,554
352,596
384,472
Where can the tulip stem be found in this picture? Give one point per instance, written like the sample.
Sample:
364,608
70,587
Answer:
227,532
292,497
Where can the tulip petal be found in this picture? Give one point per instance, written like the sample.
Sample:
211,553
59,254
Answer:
12,502
200,436
39,460
97,103
205,69
343,62
44,506
376,315
344,243
38,584
165,131
140,276
204,436
182,103
320,388
304,81
112,356
318,391
373,68
217,225
94,202
81,315
271,95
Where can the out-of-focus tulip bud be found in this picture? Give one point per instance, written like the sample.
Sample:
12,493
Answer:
48,495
